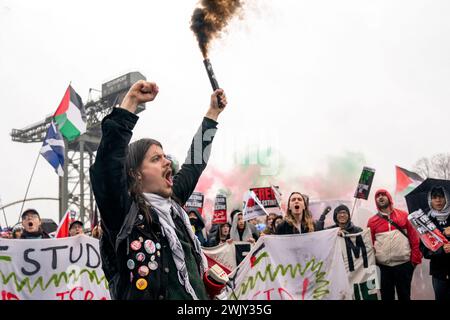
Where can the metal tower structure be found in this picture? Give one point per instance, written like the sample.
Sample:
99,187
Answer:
74,187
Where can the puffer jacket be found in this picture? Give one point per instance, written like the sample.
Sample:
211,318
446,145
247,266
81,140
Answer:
381,232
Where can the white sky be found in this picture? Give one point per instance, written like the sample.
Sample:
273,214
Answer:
314,79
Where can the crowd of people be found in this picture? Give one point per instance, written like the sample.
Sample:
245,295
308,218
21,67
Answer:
31,227
143,214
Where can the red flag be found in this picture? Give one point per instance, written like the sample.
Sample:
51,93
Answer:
63,228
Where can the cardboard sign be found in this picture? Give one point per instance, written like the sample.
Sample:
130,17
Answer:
431,237
365,183
220,210
267,197
252,208
196,201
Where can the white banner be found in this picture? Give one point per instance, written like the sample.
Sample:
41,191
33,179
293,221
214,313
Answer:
359,260
292,267
228,255
52,269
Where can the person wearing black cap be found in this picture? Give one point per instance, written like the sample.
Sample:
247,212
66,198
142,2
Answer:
31,222
76,228
342,219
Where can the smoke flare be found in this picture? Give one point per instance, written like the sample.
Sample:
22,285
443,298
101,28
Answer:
210,19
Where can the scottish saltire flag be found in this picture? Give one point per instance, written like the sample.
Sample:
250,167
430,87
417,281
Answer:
53,149
70,115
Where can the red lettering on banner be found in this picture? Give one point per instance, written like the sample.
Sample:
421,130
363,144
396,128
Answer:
89,295
282,290
268,293
73,291
62,294
264,193
258,292
305,287
73,295
9,296
283,294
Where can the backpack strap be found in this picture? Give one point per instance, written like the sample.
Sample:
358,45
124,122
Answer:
392,223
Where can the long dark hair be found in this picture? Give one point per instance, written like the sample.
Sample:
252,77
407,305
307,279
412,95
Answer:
219,232
307,219
135,156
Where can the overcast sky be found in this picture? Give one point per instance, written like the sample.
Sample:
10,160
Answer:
314,80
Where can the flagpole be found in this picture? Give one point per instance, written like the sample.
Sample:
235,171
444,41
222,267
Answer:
353,209
4,213
29,183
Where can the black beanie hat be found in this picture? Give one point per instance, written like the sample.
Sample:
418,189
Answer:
340,208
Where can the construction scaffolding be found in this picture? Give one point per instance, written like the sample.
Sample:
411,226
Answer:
74,187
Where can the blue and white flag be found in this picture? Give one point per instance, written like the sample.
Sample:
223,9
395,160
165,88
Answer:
53,149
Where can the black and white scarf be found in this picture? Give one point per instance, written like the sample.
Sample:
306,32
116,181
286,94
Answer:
163,207
442,215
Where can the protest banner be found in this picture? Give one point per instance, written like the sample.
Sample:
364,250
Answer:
52,269
267,197
227,255
359,260
220,209
252,207
196,201
294,267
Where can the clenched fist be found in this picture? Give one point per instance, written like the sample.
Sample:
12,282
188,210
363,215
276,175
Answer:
140,92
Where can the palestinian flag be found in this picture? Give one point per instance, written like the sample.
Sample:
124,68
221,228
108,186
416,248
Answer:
70,115
406,181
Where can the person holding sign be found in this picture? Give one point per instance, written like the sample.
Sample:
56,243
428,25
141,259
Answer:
390,228
298,217
439,202
148,248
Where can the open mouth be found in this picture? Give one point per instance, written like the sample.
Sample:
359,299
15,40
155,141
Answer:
169,178
30,224
297,207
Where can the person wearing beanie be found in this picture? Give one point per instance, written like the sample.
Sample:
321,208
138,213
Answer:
342,220
31,222
396,244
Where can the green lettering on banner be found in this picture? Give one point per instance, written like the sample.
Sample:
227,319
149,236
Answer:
321,283
55,279
361,291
